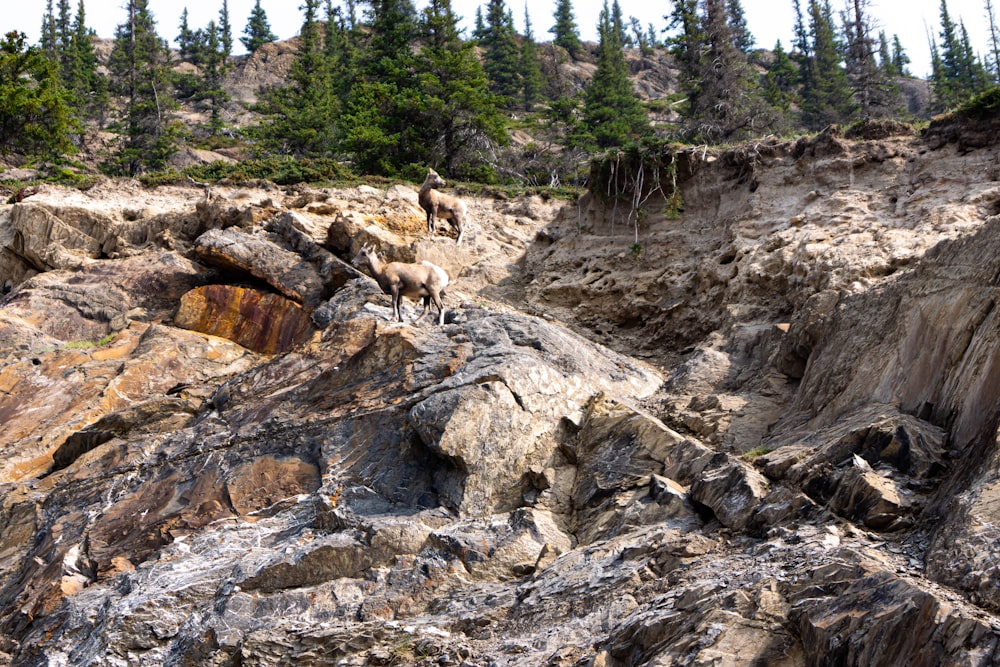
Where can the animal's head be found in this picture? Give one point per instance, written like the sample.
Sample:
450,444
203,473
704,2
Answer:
366,256
434,180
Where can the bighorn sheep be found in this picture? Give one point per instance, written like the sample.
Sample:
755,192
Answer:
399,279
439,205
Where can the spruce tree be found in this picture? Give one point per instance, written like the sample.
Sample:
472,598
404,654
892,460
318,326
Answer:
685,42
139,67
944,80
742,37
781,81
531,70
726,104
186,39
618,23
826,93
565,33
480,29
974,76
300,118
884,55
874,90
379,120
960,73
612,114
48,39
800,45
64,42
340,43
993,60
460,119
87,88
213,61
34,116
225,30
258,30
899,58
501,55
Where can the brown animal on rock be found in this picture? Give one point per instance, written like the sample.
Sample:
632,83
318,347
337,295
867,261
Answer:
422,280
440,205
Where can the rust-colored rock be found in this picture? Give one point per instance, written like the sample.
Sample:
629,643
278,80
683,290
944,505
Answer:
266,480
260,257
262,322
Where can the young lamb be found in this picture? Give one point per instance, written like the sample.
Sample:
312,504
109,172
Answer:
399,279
439,205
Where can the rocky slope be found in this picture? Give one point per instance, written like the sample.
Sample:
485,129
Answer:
758,427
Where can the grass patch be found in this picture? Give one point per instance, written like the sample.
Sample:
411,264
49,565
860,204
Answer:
87,344
755,453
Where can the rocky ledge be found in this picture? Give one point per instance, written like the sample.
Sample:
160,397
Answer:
760,430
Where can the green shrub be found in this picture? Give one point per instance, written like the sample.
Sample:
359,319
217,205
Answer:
984,106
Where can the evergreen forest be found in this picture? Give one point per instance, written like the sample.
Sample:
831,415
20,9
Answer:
380,88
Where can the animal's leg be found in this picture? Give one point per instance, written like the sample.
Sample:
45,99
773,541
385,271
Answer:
427,302
440,306
396,298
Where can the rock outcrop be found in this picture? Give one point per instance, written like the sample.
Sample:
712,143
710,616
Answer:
751,424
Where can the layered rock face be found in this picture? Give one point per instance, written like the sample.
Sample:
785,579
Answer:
758,427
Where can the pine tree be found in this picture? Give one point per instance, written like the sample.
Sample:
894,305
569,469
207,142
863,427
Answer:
186,39
726,103
340,43
501,55
64,41
460,119
300,119
826,92
641,38
874,91
685,42
138,64
380,115
34,116
257,31
781,80
899,58
565,32
960,73
993,60
974,76
225,30
86,87
884,55
212,59
742,37
618,23
612,114
49,36
531,70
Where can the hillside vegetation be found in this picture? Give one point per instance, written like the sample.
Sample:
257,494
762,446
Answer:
394,91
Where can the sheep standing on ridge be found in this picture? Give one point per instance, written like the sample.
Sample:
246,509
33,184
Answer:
398,279
439,205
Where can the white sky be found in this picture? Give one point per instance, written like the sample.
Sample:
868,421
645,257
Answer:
769,20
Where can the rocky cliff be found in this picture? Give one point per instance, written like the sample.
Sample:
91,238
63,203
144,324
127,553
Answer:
749,418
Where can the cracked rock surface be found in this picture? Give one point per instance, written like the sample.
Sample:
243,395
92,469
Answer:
766,435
